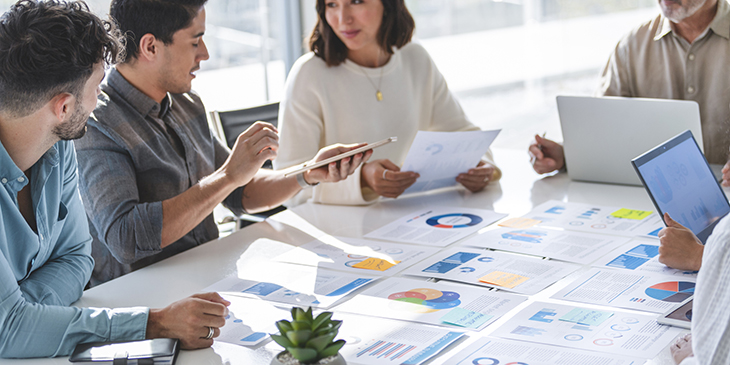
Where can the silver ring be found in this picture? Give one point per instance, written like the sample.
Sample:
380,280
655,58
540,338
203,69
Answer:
384,171
211,331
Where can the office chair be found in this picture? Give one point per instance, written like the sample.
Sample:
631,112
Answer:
229,124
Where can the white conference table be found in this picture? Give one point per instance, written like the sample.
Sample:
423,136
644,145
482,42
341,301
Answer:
517,193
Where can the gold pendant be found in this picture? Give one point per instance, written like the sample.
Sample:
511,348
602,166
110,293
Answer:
379,95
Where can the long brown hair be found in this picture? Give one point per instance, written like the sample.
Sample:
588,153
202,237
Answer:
396,30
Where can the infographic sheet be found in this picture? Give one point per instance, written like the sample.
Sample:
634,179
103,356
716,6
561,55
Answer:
642,290
373,341
622,333
507,271
249,322
495,351
322,290
445,304
439,157
357,255
578,247
596,219
437,226
640,255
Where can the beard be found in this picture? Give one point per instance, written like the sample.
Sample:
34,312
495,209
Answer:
686,9
75,126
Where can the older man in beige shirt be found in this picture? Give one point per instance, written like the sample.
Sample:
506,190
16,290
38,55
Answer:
683,53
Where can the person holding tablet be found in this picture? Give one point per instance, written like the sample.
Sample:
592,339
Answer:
364,81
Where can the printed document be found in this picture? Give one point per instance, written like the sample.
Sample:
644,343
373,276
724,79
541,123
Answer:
437,226
439,157
628,334
640,255
442,303
249,321
511,272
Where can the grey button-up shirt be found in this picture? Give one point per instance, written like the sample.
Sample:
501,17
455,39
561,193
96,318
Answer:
135,154
652,61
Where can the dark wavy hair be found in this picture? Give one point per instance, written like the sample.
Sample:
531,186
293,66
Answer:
50,47
161,18
396,30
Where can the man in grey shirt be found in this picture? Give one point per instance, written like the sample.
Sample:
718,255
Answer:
151,169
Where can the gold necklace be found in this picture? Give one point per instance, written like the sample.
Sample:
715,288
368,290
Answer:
378,93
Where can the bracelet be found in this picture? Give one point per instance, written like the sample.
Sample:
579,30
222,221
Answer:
303,183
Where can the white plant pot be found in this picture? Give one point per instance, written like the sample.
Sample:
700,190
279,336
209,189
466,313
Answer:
338,360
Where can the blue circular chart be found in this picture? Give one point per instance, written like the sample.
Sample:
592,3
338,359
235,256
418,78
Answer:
458,220
485,361
671,291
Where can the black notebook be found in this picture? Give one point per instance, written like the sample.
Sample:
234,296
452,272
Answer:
158,351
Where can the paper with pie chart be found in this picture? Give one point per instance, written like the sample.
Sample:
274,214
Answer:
625,333
352,254
507,271
444,304
497,351
439,157
634,290
593,218
437,226
578,247
640,255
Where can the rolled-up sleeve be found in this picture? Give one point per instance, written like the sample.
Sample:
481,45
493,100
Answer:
234,200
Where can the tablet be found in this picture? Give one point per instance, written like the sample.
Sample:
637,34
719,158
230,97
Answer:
680,316
679,181
364,148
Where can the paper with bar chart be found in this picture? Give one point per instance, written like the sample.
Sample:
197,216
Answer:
374,341
640,255
437,226
357,255
628,334
641,290
595,218
445,304
496,351
578,247
512,272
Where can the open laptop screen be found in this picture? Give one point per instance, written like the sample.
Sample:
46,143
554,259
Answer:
680,182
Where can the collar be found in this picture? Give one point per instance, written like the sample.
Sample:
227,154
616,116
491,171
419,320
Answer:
720,25
137,99
11,174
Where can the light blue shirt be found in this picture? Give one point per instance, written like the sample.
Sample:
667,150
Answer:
43,272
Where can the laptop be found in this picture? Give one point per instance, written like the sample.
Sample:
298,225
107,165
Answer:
679,181
602,135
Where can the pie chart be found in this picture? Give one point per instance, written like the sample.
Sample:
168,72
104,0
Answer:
671,291
455,220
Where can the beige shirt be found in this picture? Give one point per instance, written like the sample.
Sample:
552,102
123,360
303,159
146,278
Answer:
654,62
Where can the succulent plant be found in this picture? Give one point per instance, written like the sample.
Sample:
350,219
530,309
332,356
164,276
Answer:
309,339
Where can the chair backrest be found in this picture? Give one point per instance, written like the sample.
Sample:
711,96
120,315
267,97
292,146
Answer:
230,124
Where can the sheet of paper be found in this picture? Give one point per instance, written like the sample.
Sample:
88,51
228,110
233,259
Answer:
374,341
320,289
420,301
619,288
437,226
441,156
588,317
519,223
348,254
494,351
469,265
628,334
640,255
592,218
249,321
578,247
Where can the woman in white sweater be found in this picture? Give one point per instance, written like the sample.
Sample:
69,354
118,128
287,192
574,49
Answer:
365,81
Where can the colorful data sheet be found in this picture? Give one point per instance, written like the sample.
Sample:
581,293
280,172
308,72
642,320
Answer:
439,157
438,226
628,334
641,290
445,304
594,219
578,247
495,351
249,321
357,255
640,255
511,272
